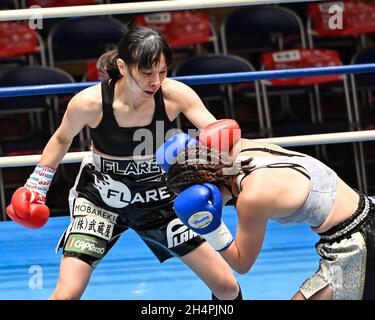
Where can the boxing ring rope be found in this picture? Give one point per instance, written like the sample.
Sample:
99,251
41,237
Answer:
292,141
127,8
359,136
220,78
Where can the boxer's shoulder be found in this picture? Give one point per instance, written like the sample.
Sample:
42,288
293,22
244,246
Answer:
87,103
174,90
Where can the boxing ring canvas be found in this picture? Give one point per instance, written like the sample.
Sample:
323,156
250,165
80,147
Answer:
29,266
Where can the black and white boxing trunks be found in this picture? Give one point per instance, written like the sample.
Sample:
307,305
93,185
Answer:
110,196
347,253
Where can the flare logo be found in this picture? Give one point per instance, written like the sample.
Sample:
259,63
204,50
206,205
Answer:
114,193
178,233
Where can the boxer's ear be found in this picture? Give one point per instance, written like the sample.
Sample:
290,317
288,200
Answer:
122,67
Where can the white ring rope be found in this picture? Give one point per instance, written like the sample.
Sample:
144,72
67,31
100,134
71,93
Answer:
325,138
127,8
303,140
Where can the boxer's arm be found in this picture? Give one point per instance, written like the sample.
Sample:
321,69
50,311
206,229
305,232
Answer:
221,134
251,227
27,205
182,99
81,111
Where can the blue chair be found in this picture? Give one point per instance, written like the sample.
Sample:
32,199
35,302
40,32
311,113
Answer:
226,94
82,39
257,29
34,106
9,4
261,28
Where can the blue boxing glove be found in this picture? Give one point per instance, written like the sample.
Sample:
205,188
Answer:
200,208
167,153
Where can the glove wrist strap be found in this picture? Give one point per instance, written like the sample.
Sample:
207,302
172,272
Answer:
220,239
40,180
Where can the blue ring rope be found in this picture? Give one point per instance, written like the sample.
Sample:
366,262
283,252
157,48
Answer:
198,80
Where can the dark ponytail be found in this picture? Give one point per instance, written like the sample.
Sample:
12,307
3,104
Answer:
107,64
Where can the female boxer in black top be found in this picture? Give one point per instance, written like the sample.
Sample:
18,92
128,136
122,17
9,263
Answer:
120,186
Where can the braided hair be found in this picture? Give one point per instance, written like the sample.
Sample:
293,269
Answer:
200,164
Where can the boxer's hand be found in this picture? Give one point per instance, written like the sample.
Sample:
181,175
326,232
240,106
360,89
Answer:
27,209
27,205
221,135
200,208
167,153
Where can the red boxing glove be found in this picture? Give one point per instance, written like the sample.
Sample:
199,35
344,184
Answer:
221,135
27,205
26,210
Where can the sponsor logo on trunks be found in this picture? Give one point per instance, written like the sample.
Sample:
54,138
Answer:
86,244
92,225
116,194
178,233
200,219
130,167
83,207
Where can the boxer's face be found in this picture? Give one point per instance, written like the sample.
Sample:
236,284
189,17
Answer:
146,82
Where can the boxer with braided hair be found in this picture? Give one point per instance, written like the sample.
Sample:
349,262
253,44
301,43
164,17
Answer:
270,182
203,163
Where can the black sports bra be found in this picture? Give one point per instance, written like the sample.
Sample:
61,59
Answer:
113,140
